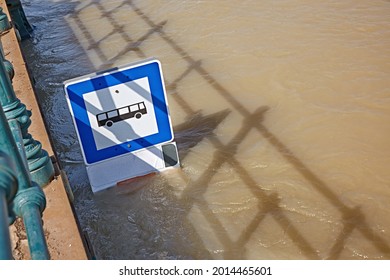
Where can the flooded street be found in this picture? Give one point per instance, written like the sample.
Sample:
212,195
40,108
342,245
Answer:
281,114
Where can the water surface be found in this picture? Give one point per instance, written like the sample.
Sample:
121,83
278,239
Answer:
281,111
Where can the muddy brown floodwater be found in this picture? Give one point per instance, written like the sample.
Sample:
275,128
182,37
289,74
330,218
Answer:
281,113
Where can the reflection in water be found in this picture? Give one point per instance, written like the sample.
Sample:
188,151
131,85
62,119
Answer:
280,112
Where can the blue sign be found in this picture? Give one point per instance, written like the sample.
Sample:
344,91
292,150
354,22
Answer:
119,111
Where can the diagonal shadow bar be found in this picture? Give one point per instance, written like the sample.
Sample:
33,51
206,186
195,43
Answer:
189,69
346,231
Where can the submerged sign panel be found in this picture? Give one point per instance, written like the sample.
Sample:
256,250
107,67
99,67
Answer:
119,112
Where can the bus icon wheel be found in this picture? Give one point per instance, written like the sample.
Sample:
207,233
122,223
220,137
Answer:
138,115
109,123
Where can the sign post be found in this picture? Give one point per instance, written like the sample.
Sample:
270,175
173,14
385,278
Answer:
122,121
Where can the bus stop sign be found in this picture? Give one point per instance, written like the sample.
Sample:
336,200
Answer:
119,112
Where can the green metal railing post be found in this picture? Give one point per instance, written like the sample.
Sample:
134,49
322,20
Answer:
10,69
19,18
33,167
4,22
39,162
29,201
8,188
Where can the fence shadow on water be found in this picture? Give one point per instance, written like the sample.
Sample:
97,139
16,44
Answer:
269,202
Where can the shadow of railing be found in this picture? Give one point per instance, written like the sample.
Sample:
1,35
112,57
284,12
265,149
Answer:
268,203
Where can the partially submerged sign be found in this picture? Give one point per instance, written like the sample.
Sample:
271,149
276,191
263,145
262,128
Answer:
122,121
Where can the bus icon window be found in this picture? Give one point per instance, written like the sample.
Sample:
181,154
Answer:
110,117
